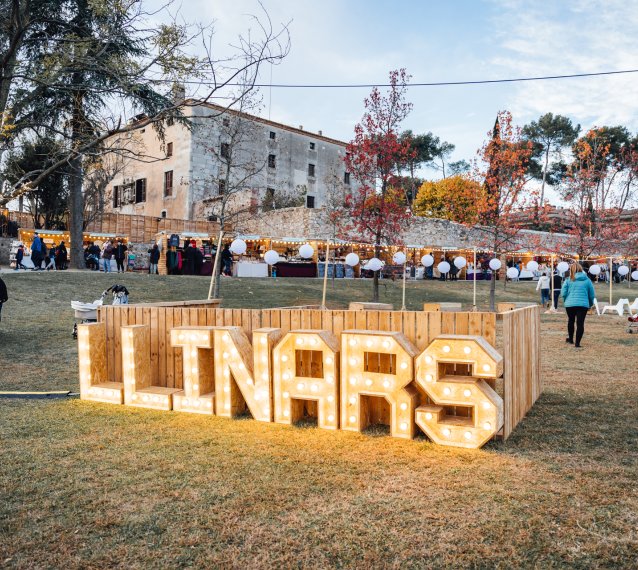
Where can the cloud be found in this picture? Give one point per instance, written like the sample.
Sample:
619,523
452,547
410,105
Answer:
584,36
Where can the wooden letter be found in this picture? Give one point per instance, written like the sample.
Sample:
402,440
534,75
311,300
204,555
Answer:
92,352
377,364
199,382
136,369
306,367
251,386
467,391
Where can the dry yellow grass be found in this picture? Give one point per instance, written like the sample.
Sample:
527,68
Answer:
86,485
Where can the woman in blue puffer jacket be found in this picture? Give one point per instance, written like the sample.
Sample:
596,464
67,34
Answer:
578,297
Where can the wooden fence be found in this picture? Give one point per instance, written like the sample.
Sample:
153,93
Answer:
519,337
139,229
522,383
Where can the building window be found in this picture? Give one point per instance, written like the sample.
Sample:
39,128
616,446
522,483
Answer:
310,201
168,183
163,213
140,190
224,151
346,178
270,194
312,146
311,170
271,161
226,122
272,135
221,187
116,196
169,149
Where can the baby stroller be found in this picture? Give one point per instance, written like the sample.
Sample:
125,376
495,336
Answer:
87,312
633,324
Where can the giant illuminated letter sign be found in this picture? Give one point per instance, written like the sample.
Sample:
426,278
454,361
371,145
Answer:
251,375
377,364
471,391
197,357
306,367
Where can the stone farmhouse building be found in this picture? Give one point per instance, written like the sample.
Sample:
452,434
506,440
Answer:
270,165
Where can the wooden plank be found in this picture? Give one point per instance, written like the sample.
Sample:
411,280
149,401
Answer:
349,320
151,317
117,374
170,365
384,321
462,323
284,320
161,324
361,320
409,325
178,360
422,339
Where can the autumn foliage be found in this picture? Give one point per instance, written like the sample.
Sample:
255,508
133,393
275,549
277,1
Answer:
377,208
454,198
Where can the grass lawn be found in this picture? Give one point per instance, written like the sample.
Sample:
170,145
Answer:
87,485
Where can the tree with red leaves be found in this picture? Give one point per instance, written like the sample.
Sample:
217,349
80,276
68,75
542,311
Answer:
377,207
502,169
600,183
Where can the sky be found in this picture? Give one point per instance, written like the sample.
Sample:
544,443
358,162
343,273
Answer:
360,41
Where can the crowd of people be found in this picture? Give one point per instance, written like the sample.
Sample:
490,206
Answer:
110,250
54,258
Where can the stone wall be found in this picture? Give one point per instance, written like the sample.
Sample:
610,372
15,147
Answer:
311,223
5,248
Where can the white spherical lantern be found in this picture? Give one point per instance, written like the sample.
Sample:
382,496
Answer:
623,270
427,260
352,259
238,246
271,257
460,262
374,264
634,275
306,251
495,264
443,267
563,267
595,269
532,265
512,272
398,258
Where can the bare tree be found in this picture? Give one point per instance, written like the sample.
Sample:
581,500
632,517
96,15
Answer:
104,60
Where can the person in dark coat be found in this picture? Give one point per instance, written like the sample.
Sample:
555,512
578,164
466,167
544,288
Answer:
558,284
153,259
4,296
119,253
61,257
227,261
198,260
188,259
19,258
36,252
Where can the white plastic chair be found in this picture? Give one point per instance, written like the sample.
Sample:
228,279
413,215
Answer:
596,306
633,308
619,307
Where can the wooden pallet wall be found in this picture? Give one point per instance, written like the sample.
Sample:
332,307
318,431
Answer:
522,382
419,327
519,339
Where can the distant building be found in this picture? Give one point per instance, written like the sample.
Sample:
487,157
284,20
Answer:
185,177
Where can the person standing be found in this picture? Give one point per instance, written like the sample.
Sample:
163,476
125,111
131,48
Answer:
119,252
227,261
107,254
61,257
544,286
36,252
154,255
578,297
558,283
4,296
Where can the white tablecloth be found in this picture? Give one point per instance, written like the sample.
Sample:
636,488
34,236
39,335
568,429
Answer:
246,269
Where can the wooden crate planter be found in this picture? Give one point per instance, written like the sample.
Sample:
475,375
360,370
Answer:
439,372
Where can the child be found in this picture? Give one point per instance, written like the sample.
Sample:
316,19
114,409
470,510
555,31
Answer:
51,263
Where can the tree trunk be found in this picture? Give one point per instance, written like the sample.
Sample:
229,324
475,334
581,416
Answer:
76,211
375,279
493,291
544,176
